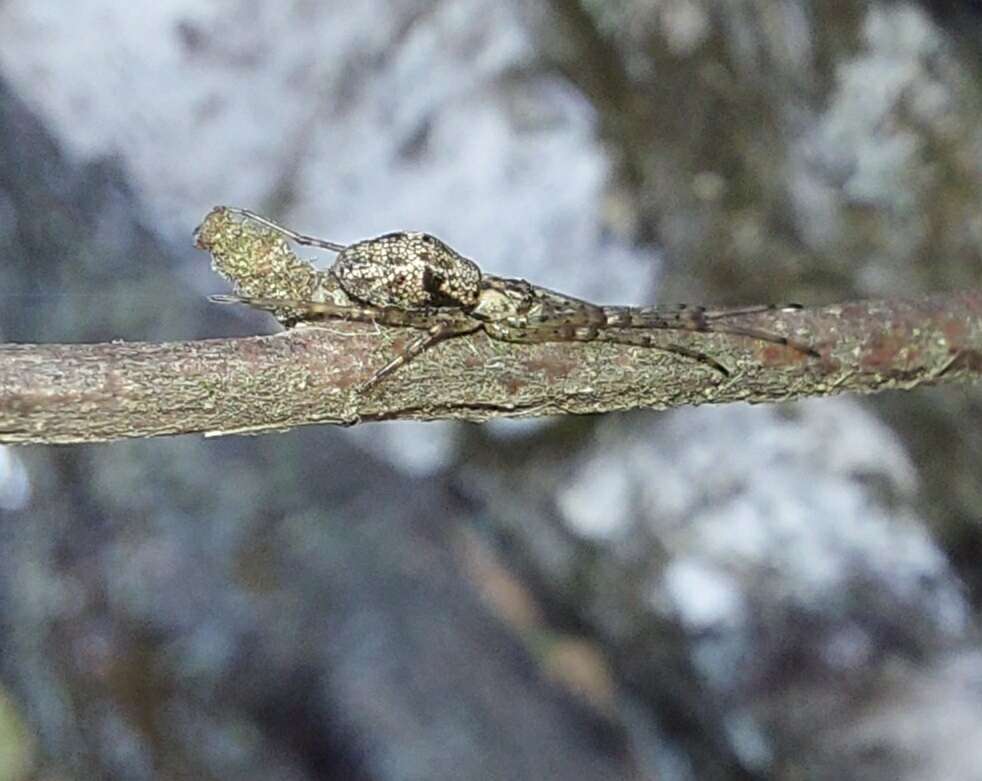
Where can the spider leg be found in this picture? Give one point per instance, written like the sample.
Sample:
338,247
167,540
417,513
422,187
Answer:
306,310
682,317
447,329
737,311
647,340
299,238
690,312
312,311
699,319
712,321
447,325
764,336
564,332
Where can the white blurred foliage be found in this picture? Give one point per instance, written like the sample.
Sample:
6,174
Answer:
866,148
928,720
801,502
857,134
359,118
15,489
364,117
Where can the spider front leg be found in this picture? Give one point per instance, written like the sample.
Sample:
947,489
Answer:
299,238
438,326
295,310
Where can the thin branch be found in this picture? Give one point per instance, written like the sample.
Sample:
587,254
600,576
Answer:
98,392
307,375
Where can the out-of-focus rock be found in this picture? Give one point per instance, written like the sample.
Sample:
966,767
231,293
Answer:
280,607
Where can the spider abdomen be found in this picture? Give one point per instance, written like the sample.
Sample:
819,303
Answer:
407,270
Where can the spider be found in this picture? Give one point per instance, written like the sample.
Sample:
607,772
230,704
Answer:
414,280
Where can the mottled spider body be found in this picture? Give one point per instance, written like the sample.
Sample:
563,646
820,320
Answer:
408,270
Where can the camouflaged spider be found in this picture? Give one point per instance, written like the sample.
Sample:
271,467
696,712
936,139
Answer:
414,280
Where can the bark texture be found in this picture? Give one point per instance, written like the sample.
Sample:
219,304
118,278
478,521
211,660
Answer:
99,392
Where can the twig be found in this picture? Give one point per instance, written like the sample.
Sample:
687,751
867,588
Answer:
307,375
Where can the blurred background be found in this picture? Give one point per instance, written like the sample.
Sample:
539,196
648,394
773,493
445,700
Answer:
782,592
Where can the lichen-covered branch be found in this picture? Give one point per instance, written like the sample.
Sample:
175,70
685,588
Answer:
310,374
